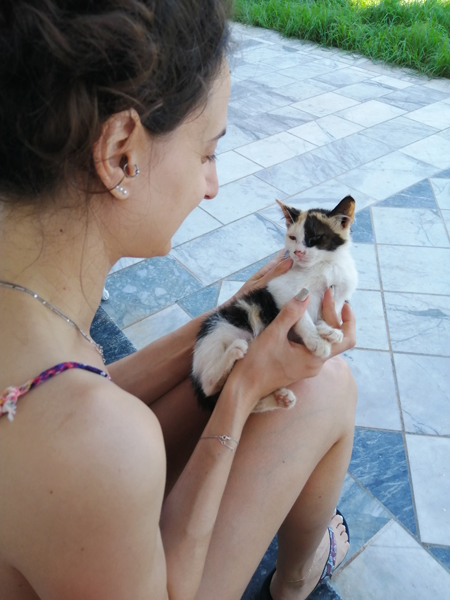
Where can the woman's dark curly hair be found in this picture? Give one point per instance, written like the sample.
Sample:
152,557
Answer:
68,65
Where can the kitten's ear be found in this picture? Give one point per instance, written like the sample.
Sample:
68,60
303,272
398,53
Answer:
291,214
344,212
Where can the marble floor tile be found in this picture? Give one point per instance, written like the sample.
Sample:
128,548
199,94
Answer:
409,226
399,132
424,387
105,332
325,104
262,100
234,138
228,289
196,224
446,217
352,151
156,326
273,79
247,70
305,89
289,59
443,85
308,71
430,474
435,115
443,174
260,53
387,175
290,116
325,130
442,554
393,567
365,90
232,166
361,228
418,323
241,198
275,149
379,463
200,302
260,125
377,397
414,98
344,77
370,322
332,191
415,269
370,113
434,150
392,82
123,263
247,272
366,265
441,189
222,252
419,195
146,287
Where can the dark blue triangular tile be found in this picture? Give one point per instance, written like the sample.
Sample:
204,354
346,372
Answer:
419,195
105,332
443,174
362,227
442,554
379,463
200,302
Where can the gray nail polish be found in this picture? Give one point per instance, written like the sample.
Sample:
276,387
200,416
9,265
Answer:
302,295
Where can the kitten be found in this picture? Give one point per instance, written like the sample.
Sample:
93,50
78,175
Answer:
318,241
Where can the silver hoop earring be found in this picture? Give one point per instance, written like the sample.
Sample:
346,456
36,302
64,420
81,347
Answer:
121,189
127,174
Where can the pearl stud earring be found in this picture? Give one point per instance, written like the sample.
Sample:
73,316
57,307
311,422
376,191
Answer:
122,190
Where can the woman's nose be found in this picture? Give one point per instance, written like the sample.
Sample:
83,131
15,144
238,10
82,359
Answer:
212,185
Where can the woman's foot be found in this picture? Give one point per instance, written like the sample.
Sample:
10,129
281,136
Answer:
281,590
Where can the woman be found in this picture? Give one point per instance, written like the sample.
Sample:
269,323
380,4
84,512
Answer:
110,115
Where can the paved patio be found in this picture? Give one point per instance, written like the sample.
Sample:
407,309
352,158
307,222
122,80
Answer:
309,126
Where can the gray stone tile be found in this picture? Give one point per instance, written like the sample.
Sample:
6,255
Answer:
344,77
387,175
443,85
443,174
290,116
145,288
441,189
231,248
247,70
434,150
414,98
299,173
446,217
352,151
418,323
409,226
106,333
261,101
442,554
424,387
247,272
399,132
273,79
325,130
289,58
241,198
123,263
430,474
362,227
365,90
435,115
305,89
371,330
370,113
275,149
260,53
260,125
228,288
419,195
308,71
156,326
232,166
325,104
393,566
235,137
377,398
392,82
332,192
366,265
415,269
195,225
200,302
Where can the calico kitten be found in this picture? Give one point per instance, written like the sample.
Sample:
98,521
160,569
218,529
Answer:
318,241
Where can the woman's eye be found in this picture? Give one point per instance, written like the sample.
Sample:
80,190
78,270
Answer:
211,158
293,238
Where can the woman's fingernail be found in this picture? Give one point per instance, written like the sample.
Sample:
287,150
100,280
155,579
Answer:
302,295
347,302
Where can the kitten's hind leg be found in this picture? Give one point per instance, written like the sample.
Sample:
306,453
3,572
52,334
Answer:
332,335
282,398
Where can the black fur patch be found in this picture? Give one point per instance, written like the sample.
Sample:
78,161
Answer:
321,235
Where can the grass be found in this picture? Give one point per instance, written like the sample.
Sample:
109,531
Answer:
412,34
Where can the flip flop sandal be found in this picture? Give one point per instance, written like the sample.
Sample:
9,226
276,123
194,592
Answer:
264,592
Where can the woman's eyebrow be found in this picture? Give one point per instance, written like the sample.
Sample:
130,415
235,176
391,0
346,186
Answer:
217,137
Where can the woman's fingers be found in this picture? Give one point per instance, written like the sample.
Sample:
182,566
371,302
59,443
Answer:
329,310
348,328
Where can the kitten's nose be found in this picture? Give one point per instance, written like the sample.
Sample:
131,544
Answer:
300,253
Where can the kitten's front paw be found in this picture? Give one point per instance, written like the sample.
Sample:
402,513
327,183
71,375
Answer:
334,336
285,398
236,351
320,348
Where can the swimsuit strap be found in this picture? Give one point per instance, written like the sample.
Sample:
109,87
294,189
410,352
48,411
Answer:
9,397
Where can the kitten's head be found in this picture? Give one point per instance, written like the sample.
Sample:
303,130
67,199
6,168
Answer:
313,234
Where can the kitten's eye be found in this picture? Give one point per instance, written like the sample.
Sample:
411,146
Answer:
293,238
316,239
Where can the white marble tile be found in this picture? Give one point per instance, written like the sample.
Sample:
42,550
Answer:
377,398
235,137
196,223
260,101
325,104
424,387
393,567
325,130
443,85
346,76
289,59
152,328
290,116
275,149
219,253
415,269
441,189
387,175
370,113
352,151
232,166
248,70
435,115
399,132
430,474
434,150
241,198
365,90
333,191
227,289
123,263
258,54
305,89
418,323
392,82
273,80
370,322
308,71
366,265
409,227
